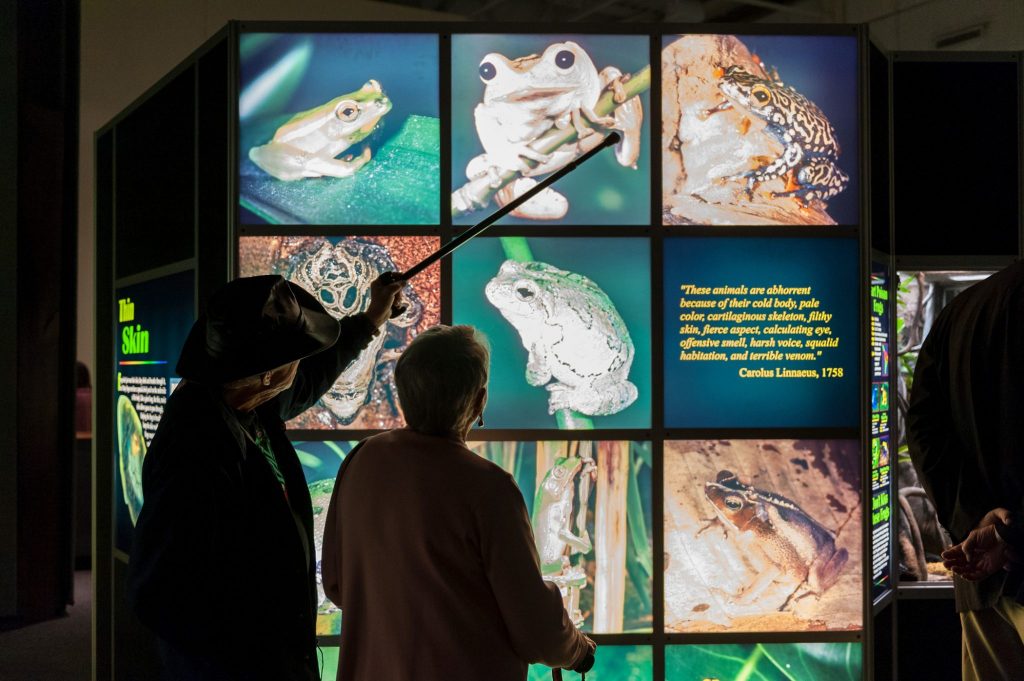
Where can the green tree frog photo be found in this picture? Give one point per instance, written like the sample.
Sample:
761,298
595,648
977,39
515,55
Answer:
308,145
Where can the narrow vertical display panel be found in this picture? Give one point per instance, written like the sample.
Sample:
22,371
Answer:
763,535
338,271
153,320
920,298
761,332
339,128
760,130
881,461
765,662
524,106
590,507
568,321
320,463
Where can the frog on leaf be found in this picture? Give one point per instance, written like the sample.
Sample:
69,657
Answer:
572,333
793,544
523,99
309,143
808,162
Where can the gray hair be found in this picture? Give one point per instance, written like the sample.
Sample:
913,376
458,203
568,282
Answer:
439,377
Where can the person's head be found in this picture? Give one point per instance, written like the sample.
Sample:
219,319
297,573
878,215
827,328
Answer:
248,393
442,380
82,375
252,336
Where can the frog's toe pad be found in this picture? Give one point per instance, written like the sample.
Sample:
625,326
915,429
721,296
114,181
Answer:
547,205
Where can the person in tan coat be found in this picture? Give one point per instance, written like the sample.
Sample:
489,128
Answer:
428,548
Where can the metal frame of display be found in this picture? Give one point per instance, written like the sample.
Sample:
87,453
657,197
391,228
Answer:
654,233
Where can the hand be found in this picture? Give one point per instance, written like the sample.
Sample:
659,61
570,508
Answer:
984,552
385,298
587,661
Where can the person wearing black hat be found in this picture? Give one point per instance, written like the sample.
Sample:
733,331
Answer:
223,565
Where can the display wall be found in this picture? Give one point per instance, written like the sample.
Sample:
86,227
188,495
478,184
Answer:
679,329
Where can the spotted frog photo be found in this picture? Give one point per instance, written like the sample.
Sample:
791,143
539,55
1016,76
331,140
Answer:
760,130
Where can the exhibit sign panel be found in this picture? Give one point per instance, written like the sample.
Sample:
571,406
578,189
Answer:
881,460
153,320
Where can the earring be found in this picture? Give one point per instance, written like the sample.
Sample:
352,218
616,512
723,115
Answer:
266,378
480,421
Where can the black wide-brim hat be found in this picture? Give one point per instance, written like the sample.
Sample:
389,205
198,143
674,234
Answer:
252,325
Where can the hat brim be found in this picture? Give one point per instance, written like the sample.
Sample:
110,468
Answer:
320,332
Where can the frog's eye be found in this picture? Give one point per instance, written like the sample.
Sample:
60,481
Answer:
524,293
733,502
565,59
761,94
347,111
487,71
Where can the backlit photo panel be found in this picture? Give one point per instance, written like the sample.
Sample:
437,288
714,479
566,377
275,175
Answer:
339,128
524,106
569,325
762,535
338,271
590,507
759,130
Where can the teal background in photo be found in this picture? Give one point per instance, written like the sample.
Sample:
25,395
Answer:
619,266
321,460
611,663
295,72
764,662
328,662
601,192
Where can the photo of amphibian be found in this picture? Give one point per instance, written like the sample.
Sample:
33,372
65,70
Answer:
320,463
590,507
759,130
338,129
131,448
762,535
339,271
568,321
524,106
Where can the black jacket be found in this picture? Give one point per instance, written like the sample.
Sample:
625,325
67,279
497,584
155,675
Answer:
965,424
219,569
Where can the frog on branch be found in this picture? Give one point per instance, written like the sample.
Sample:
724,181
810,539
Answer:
572,333
552,525
525,98
309,143
808,162
795,546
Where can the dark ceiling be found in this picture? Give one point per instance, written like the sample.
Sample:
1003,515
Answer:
605,11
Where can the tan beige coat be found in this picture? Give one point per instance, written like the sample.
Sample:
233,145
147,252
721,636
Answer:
429,552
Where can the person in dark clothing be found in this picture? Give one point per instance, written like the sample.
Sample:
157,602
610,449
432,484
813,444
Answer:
223,565
428,548
966,433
